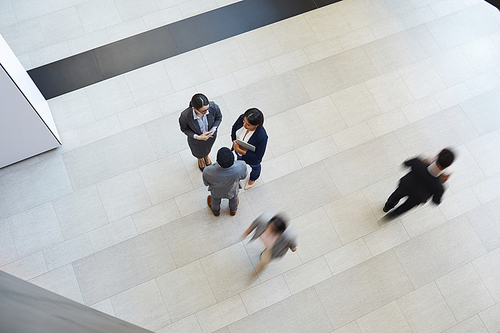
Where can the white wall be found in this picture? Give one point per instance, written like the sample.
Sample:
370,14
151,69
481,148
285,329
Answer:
26,124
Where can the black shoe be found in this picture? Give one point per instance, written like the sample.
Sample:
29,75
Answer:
385,209
201,167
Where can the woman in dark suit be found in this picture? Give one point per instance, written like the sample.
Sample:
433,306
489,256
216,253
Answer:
199,122
248,128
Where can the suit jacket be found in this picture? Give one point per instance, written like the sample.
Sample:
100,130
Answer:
190,127
287,240
420,184
224,182
258,139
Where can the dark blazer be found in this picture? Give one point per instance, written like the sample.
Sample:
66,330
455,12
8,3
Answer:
258,139
190,127
420,184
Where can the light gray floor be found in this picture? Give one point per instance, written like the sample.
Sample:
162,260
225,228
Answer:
43,31
117,219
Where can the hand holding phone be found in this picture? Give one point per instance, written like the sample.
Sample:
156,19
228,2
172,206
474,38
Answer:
212,130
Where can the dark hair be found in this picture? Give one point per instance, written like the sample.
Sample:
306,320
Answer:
445,158
254,116
198,101
279,223
225,157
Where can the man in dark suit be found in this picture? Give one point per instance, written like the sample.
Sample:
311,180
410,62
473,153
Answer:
425,179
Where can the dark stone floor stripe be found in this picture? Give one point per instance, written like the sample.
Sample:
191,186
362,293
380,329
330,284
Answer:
208,28
66,75
134,52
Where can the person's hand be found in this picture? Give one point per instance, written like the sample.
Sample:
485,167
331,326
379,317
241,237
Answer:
205,136
236,146
238,149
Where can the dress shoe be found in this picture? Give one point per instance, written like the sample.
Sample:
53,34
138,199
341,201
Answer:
201,167
234,213
209,203
385,209
248,186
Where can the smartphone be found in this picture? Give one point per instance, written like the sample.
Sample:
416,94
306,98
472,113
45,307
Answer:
212,130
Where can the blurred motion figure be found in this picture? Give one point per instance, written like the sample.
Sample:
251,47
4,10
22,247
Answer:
424,180
277,237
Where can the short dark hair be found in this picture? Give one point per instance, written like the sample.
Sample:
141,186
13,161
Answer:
225,157
198,101
254,116
279,223
445,158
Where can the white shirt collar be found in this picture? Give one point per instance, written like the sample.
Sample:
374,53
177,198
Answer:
434,170
196,116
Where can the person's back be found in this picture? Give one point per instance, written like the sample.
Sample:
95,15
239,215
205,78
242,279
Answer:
421,183
223,180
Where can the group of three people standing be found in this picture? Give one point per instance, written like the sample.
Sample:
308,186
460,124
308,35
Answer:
200,122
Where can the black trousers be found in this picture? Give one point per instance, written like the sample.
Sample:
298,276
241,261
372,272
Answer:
396,196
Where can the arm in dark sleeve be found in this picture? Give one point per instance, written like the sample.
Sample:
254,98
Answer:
260,149
410,162
436,198
217,115
185,127
236,126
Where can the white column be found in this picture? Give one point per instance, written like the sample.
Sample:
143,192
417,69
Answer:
26,124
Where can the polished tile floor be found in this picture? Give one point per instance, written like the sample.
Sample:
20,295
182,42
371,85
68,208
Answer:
116,218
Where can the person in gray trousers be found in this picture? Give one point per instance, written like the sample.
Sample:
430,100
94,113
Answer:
223,180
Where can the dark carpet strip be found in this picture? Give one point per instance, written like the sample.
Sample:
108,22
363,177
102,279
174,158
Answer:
134,52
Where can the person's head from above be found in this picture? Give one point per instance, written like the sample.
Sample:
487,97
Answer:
253,118
225,157
445,158
199,103
278,223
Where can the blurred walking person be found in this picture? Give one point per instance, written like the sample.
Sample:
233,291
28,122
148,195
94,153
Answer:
424,180
277,237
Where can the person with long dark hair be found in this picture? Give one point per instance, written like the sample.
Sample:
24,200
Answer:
249,129
200,122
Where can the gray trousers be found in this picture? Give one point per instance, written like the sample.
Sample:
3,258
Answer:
233,204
